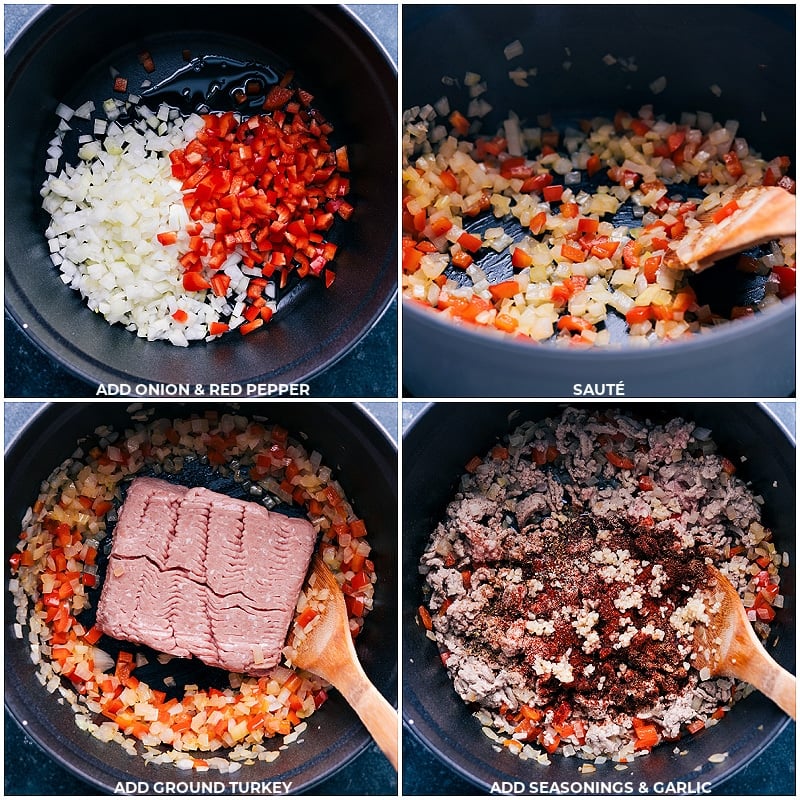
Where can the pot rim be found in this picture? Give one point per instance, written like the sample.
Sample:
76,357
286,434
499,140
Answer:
428,733
416,316
85,765
297,365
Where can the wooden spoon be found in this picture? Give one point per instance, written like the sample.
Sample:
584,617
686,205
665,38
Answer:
764,213
327,651
729,646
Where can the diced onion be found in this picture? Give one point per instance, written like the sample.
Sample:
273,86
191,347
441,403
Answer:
448,177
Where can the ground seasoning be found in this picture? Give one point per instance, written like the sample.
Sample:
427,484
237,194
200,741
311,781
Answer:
565,581
632,606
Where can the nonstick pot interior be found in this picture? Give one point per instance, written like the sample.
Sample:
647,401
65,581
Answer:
748,53
435,448
364,459
65,55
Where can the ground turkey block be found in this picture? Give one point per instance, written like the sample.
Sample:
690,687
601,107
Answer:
196,573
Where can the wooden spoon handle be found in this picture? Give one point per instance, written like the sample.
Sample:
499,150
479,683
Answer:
377,714
774,681
379,718
784,692
773,215
756,666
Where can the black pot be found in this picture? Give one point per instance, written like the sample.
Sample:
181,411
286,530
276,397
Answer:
64,55
359,451
437,444
748,51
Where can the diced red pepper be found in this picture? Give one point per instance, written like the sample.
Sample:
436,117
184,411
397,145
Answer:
560,294
470,242
425,618
220,283
787,280
411,258
277,97
553,193
342,159
271,210
441,225
536,183
650,268
92,636
724,212
574,254
621,462
469,309
356,606
604,249
516,167
646,483
195,282
505,322
306,616
630,254
520,259
684,300
473,464
728,466
249,327
459,122
538,222
461,259
569,211
449,180
732,164
503,290
647,737
639,314
696,726
574,324
146,60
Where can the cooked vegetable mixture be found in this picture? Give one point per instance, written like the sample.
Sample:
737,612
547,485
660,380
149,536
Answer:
582,219
58,566
567,578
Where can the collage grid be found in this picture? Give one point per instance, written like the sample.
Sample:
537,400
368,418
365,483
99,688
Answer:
383,353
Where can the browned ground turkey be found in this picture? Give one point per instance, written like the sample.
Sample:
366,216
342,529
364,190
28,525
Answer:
565,577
